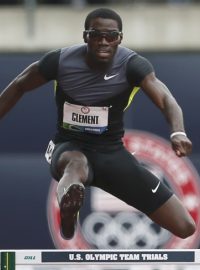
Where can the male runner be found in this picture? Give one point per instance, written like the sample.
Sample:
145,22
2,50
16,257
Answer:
94,85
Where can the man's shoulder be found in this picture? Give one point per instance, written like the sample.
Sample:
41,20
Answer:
125,50
124,54
74,49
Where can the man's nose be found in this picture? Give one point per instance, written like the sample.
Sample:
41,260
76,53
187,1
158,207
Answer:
103,40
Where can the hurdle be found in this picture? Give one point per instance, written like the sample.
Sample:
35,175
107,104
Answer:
11,258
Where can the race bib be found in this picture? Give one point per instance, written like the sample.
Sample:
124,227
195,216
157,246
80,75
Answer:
85,119
49,151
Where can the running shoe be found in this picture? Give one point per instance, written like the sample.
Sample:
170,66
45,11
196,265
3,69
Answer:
70,205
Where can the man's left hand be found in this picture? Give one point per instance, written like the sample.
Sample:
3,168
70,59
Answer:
181,145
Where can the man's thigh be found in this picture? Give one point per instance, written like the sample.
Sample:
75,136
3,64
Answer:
120,174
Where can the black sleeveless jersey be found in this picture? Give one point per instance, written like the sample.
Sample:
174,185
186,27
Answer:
78,84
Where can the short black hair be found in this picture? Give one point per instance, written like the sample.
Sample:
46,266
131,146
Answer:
105,13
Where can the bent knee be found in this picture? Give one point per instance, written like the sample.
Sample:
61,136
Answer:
187,229
69,159
74,155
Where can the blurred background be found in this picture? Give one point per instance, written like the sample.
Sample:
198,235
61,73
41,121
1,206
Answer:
164,31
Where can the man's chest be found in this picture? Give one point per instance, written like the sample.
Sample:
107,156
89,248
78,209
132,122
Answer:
88,87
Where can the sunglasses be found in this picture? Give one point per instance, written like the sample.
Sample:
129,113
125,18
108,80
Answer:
97,35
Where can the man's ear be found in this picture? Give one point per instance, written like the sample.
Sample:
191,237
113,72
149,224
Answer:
85,36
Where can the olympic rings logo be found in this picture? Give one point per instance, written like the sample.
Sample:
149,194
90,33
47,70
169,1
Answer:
126,230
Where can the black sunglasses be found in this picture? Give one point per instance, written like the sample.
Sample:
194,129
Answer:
97,35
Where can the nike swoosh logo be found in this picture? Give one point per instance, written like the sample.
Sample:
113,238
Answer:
109,77
156,188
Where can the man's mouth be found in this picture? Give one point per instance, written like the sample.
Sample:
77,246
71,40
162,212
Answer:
103,53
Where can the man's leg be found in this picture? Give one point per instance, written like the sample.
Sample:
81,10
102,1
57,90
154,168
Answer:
72,166
124,177
174,217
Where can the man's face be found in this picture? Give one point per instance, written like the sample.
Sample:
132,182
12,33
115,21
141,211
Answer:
103,38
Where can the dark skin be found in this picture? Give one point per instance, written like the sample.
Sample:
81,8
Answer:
171,215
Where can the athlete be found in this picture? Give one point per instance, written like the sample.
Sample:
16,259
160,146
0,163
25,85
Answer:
94,85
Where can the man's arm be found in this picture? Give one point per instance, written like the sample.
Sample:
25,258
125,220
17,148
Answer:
163,99
28,80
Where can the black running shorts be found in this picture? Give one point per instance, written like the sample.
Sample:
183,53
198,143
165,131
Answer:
119,173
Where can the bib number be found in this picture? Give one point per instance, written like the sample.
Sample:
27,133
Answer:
85,119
